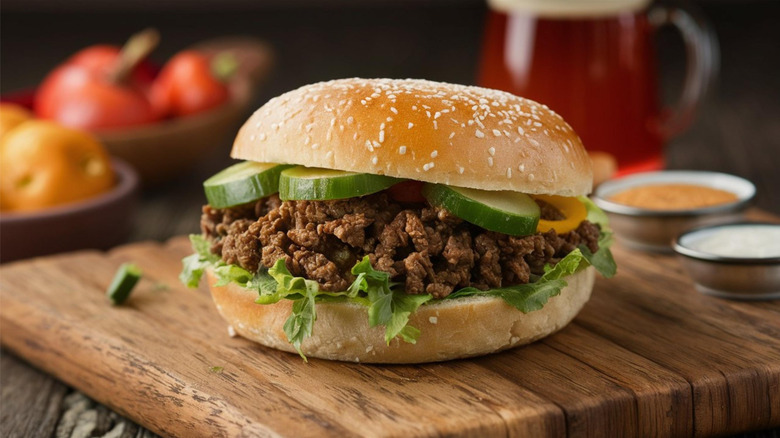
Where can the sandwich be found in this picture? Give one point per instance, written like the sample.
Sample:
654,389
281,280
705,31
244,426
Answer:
400,221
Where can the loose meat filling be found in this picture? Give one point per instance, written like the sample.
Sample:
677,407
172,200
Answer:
427,248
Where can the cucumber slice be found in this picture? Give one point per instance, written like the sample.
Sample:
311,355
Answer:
506,212
242,183
123,283
303,183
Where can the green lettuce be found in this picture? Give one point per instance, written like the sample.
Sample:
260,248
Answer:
602,260
533,296
387,304
194,265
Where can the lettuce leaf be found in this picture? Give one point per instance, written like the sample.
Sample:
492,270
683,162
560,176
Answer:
533,296
194,265
388,304
602,260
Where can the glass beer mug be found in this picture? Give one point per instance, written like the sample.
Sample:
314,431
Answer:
593,62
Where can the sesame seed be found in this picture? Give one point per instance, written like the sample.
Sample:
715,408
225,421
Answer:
410,125
350,119
375,143
374,159
381,136
497,133
328,155
533,142
389,119
437,115
402,150
428,166
435,125
509,172
414,107
490,161
434,154
315,145
262,136
369,146
460,170
520,130
316,98
363,101
479,134
428,113
530,177
308,140
452,134
492,151
521,168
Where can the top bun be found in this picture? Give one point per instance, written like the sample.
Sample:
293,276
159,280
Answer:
427,131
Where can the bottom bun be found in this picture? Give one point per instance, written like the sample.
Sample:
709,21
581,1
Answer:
450,329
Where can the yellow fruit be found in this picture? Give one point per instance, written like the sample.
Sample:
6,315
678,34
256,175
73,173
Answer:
43,164
11,116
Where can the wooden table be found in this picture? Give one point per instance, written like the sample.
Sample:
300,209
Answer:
738,131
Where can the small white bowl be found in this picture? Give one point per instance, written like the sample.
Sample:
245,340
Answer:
731,276
654,230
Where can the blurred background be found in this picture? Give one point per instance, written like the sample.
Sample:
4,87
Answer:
437,40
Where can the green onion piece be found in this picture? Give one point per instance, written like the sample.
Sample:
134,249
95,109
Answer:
123,283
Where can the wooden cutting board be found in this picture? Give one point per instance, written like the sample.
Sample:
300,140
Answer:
648,356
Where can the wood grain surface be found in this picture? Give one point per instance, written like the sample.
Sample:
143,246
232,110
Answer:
648,356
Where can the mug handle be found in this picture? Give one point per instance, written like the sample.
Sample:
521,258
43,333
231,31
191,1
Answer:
701,48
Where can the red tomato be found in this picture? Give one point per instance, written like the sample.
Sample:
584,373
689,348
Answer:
80,94
187,86
407,191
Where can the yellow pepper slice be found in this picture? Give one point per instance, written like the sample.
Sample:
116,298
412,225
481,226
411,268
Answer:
572,208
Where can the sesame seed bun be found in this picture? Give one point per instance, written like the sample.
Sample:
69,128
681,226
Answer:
427,131
449,329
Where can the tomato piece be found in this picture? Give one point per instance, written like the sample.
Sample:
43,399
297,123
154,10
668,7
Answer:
407,191
80,93
186,85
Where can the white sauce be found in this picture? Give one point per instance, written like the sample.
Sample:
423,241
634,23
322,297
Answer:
752,241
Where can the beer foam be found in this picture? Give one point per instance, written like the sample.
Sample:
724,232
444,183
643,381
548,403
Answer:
568,8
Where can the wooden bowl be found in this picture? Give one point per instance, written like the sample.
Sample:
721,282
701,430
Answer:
100,222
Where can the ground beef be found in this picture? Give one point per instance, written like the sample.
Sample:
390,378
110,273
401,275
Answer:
427,248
